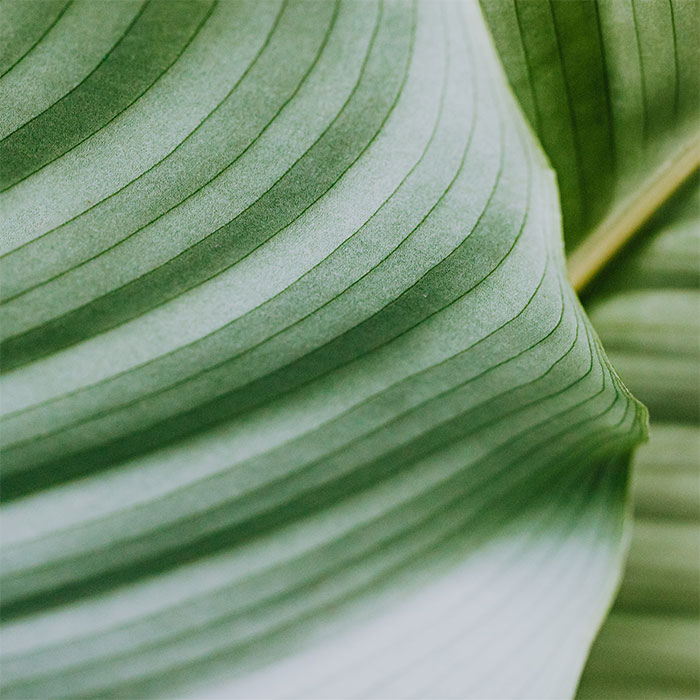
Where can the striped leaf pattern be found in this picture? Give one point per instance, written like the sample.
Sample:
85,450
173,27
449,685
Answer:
611,87
297,400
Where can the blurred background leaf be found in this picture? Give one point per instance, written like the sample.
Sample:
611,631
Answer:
647,312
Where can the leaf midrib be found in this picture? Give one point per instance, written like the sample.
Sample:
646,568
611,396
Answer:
628,219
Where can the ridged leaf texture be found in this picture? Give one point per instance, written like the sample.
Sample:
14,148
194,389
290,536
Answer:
297,399
611,88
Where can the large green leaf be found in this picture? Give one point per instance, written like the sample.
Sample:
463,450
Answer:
297,399
647,315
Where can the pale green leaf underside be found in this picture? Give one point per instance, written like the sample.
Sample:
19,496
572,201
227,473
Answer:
297,399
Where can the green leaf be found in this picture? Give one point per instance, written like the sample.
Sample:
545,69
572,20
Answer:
297,399
647,315
611,88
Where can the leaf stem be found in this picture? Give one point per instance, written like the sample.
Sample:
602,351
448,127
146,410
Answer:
623,223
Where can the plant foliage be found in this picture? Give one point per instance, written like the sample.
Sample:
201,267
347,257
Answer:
297,398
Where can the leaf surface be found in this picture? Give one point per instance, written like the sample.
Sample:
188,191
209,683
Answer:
612,89
297,399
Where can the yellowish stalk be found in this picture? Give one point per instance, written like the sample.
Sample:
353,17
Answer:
620,226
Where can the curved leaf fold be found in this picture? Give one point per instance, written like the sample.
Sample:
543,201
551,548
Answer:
297,400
